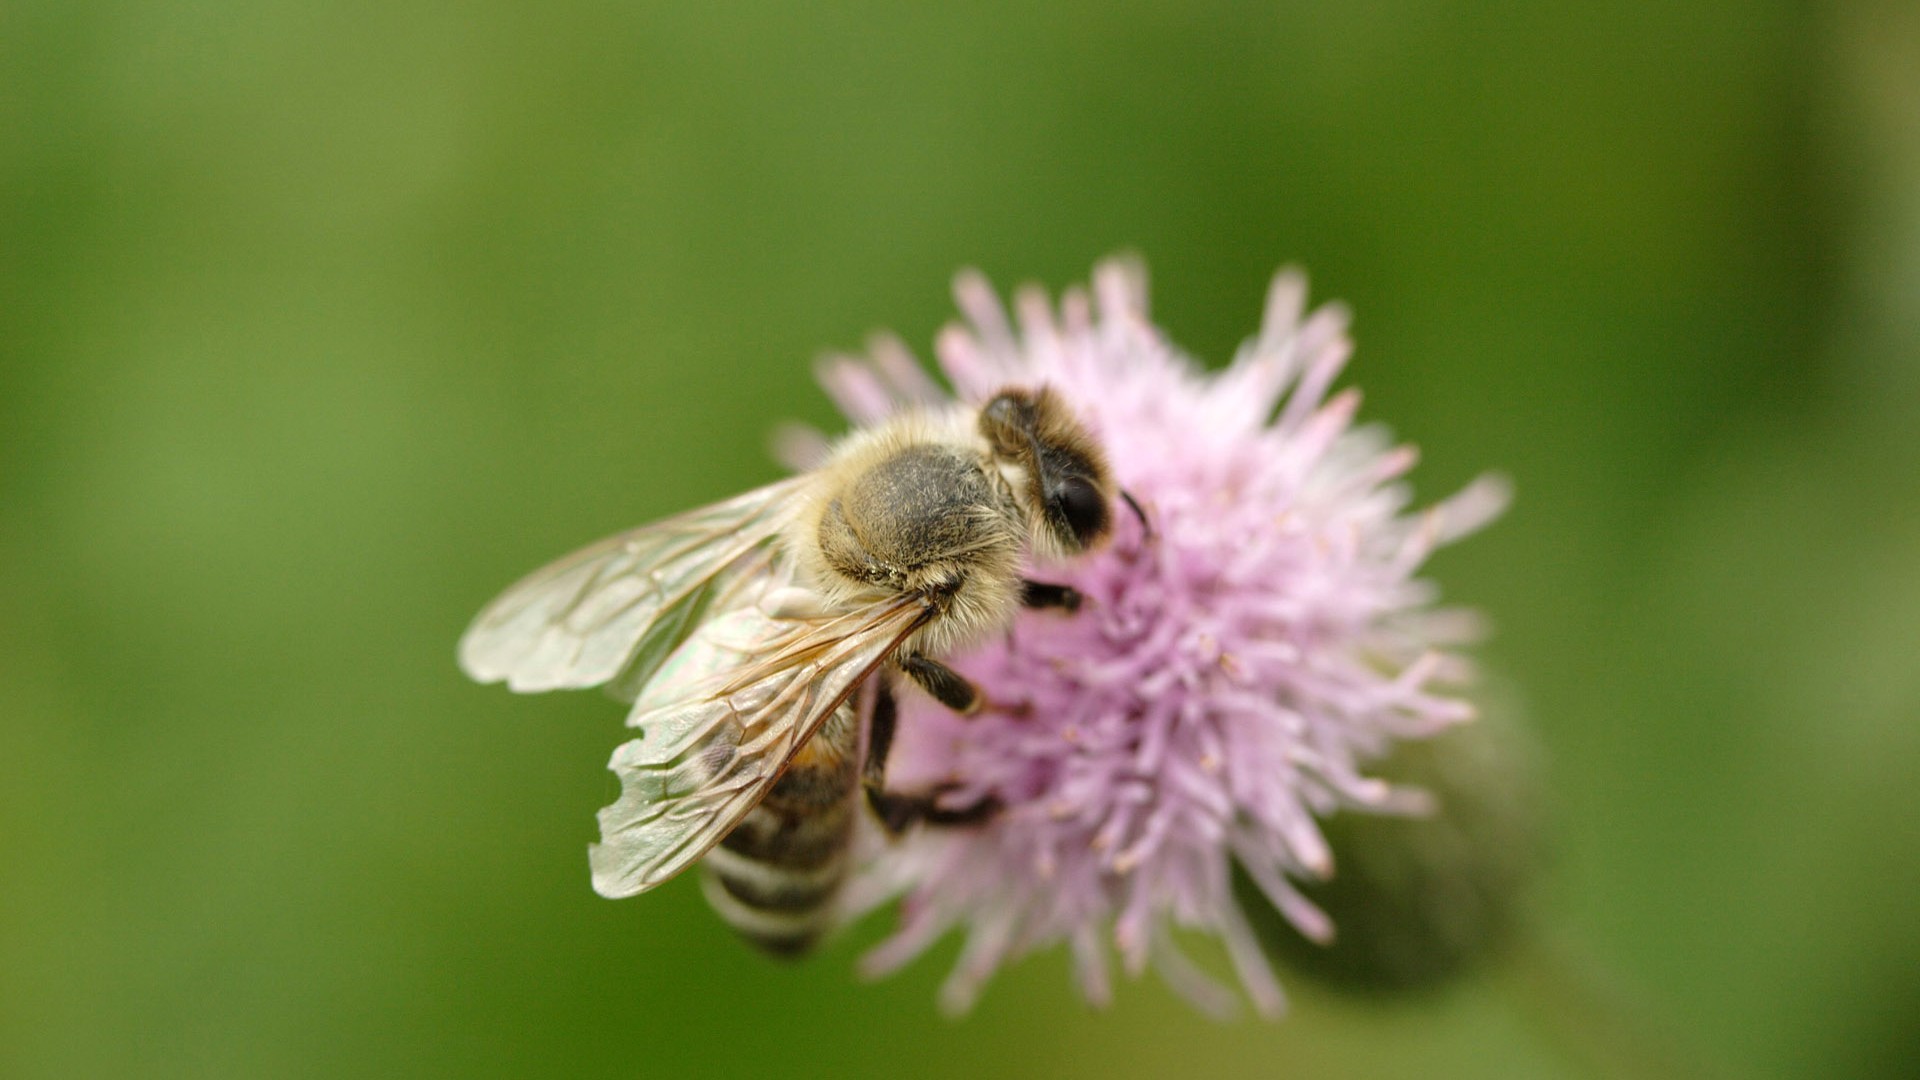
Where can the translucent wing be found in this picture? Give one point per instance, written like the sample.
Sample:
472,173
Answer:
622,605
709,755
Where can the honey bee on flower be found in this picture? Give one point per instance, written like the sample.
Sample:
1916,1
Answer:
1090,630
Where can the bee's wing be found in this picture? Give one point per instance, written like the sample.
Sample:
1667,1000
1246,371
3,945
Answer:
709,755
623,604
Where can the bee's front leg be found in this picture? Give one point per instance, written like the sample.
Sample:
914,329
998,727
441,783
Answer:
896,809
1041,594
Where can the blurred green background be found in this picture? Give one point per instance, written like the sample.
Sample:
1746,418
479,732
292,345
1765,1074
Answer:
319,323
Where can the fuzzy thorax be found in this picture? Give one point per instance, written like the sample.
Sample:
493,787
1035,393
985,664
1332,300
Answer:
915,506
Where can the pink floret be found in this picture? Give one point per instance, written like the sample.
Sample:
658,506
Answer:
1226,683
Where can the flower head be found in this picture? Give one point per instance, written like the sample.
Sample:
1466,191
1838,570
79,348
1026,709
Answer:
1241,656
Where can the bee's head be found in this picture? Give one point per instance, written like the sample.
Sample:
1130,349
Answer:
1067,487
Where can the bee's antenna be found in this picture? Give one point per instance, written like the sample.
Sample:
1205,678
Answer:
1145,525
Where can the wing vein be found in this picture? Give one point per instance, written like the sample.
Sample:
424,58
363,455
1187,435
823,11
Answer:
703,761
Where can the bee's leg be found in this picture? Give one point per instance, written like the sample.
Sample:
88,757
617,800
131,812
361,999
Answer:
897,810
1040,594
948,687
974,813
873,772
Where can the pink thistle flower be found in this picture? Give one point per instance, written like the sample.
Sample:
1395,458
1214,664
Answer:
1229,677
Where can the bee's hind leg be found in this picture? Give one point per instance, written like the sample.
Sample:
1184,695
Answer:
896,809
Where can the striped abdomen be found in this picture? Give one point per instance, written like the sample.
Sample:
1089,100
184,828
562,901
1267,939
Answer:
774,877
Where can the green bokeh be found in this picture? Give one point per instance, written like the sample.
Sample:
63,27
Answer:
320,322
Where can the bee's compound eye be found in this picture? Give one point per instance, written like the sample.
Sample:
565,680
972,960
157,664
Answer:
1079,505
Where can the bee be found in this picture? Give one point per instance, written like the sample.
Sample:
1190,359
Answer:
760,640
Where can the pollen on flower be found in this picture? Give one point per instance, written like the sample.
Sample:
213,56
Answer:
1233,671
